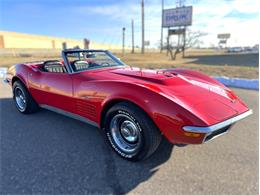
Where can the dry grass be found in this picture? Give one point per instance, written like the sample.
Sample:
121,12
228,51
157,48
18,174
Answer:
9,61
161,61
158,61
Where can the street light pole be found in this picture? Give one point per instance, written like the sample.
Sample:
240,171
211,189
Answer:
133,38
123,41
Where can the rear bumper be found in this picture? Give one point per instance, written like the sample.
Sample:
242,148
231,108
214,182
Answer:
218,129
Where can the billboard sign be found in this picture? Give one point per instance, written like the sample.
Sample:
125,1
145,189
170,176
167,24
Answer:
181,16
223,42
224,36
146,43
176,31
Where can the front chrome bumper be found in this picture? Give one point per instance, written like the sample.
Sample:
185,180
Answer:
218,129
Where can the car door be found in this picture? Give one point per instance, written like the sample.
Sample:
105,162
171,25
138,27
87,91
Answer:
86,96
52,89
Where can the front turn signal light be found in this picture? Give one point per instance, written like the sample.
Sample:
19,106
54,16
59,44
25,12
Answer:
190,134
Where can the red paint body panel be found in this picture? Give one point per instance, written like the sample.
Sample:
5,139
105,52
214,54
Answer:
171,98
53,89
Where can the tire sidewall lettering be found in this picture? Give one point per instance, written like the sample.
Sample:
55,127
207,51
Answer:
110,139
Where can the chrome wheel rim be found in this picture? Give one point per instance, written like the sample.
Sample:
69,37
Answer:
20,98
125,133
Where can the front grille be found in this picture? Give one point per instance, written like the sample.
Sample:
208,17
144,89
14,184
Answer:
217,133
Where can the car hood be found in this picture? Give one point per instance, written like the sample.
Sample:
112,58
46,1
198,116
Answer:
175,82
194,91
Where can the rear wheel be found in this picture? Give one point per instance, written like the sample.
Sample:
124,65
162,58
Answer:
130,132
23,100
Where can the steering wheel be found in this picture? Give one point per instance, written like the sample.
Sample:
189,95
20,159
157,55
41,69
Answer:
105,64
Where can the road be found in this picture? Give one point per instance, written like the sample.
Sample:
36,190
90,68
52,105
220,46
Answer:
239,59
46,153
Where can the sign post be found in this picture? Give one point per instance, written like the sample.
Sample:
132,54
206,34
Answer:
223,39
178,19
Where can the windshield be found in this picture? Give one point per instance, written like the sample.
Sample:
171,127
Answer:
85,60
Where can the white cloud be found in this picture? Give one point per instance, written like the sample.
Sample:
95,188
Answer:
209,16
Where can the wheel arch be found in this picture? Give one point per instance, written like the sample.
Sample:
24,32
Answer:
18,72
127,92
109,104
17,78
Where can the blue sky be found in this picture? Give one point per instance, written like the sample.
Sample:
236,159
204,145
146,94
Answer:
102,20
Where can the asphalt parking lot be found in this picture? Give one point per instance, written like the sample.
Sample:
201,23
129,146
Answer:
46,153
239,59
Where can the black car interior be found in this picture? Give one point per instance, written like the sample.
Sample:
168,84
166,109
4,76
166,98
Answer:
79,65
54,66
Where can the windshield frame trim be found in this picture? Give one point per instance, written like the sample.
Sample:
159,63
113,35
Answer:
109,54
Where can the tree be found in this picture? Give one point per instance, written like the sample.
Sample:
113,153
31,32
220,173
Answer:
188,40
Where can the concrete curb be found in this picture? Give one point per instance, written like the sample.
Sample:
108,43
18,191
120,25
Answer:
239,82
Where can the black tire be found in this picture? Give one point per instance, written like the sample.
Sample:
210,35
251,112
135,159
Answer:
149,137
30,106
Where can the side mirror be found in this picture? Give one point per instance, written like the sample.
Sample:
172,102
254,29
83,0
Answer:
35,69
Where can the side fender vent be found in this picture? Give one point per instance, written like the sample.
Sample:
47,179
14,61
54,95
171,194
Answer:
86,109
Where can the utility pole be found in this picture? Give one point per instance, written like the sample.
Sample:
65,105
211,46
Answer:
123,42
142,4
168,42
133,38
162,27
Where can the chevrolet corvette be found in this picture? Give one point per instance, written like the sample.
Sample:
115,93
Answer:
133,107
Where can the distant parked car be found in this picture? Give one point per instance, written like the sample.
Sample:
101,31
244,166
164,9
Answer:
248,49
256,49
235,49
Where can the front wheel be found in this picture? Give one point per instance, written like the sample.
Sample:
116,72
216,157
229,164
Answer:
130,132
23,100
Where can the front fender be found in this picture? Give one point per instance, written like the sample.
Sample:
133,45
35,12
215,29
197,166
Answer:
18,71
167,115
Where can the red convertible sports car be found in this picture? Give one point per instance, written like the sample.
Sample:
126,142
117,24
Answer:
134,107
